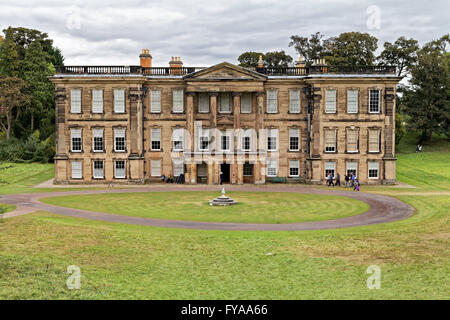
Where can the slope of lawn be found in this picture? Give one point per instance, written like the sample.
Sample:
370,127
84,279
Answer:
256,207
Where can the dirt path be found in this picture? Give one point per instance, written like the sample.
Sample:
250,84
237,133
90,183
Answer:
382,208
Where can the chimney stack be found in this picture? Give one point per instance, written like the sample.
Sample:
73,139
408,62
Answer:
260,62
145,58
175,65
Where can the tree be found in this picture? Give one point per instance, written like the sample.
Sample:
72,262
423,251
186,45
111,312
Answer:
428,100
249,59
309,48
351,48
402,54
276,59
12,96
9,58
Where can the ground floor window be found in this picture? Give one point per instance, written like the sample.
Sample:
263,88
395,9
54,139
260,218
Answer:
352,167
155,168
178,168
294,168
120,169
98,169
248,169
330,168
77,170
272,168
373,170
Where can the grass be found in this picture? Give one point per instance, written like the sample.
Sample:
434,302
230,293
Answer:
255,207
4,208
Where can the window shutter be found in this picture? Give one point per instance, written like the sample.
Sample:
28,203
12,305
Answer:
156,134
374,143
97,101
97,133
294,132
76,133
203,102
352,101
156,168
119,100
246,103
77,170
352,140
330,101
75,101
272,102
155,103
177,100
294,101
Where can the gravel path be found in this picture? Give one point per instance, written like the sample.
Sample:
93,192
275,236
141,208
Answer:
382,208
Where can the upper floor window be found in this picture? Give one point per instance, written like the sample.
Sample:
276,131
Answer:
246,102
294,139
178,139
272,101
352,101
246,143
119,140
98,145
294,101
155,101
155,139
204,139
374,101
75,101
225,141
330,140
119,100
330,101
76,144
225,102
272,135
352,140
97,101
374,140
177,100
272,167
203,102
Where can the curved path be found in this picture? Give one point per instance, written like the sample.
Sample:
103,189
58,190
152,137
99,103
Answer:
382,208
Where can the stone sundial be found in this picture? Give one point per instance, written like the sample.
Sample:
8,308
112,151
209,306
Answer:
223,200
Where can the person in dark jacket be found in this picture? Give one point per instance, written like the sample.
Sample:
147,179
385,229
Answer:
338,180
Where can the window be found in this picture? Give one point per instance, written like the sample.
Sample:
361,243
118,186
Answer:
374,140
294,139
272,139
225,142
177,96
119,100
178,167
155,101
97,101
374,101
272,101
246,143
203,102
352,167
248,169
119,169
204,139
330,140
75,101
246,102
294,101
98,169
373,170
225,105
155,139
178,139
352,140
98,140
76,140
294,168
155,168
330,101
352,101
119,140
330,168
77,170
272,168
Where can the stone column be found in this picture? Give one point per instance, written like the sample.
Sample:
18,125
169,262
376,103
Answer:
240,169
213,109
136,157
237,109
234,173
62,149
389,161
258,172
191,176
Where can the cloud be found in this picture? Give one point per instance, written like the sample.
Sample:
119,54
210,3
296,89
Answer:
205,32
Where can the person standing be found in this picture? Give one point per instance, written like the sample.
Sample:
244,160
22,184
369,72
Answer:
353,179
346,180
221,177
338,179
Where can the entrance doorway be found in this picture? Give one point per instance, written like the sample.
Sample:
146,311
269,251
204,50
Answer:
202,173
225,168
248,172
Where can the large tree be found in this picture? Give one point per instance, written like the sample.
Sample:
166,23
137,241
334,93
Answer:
428,100
12,96
351,48
402,54
249,59
309,48
276,59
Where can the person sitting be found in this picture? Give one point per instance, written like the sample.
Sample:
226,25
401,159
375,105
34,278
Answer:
163,178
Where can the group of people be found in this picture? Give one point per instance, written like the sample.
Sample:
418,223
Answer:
171,179
350,180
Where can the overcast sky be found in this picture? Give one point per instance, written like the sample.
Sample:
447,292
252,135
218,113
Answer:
207,32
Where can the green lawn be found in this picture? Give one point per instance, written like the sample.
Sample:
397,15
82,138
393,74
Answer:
256,207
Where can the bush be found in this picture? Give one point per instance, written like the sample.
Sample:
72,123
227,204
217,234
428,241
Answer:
29,150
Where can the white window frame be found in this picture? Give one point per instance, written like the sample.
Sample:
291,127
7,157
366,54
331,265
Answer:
95,170
335,141
379,100
155,136
227,135
119,100
77,173
330,100
352,101
351,165
373,165
203,102
377,132
294,101
75,101
76,133
116,175
272,164
178,136
356,132
97,100
272,134
120,133
294,167
155,101
272,101
246,102
222,104
296,135
330,165
203,133
177,101
178,167
98,133
155,168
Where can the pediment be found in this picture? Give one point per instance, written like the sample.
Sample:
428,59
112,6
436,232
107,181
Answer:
226,71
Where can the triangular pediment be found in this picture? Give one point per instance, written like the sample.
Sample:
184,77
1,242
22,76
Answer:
226,71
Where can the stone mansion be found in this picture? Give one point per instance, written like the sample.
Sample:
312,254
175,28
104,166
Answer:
134,124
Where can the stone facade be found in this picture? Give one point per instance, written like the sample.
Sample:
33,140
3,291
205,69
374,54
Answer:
157,106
